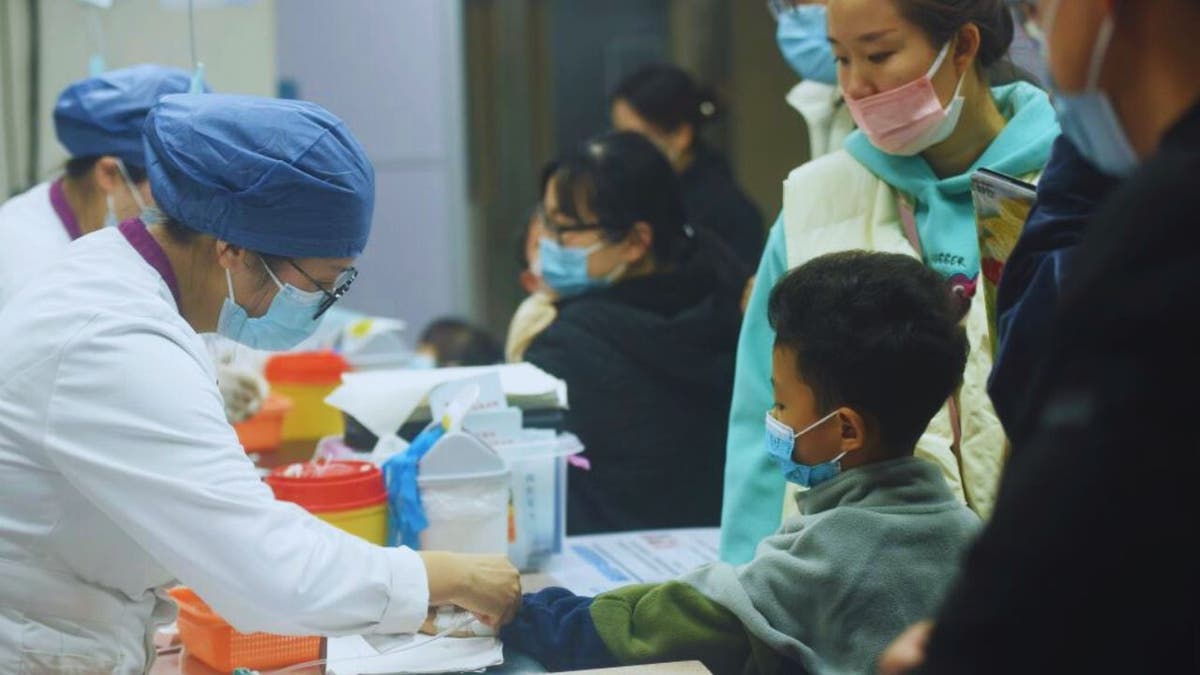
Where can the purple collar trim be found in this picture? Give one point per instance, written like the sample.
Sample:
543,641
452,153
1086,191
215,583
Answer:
141,241
58,199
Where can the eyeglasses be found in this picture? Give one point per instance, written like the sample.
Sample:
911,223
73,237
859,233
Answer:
557,230
340,286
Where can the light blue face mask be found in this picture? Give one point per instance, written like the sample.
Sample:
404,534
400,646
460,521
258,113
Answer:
802,39
288,321
781,443
565,269
1088,118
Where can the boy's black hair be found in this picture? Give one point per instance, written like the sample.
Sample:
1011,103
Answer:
877,332
623,179
457,343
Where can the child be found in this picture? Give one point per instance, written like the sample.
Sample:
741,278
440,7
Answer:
453,342
867,350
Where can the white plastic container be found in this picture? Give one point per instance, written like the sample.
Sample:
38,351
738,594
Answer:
464,488
537,519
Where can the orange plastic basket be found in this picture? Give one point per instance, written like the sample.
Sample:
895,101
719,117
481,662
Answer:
264,431
208,638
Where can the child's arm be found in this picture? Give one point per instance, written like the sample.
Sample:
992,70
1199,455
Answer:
555,627
636,624
674,621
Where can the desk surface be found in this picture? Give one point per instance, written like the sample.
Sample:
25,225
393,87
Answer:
173,664
589,565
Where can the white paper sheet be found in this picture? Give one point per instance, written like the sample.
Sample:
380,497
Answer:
594,564
383,400
355,656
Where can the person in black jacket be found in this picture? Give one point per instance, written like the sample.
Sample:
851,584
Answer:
645,334
1068,194
663,103
1087,564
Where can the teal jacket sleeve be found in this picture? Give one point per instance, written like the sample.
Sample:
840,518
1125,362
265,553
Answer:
754,488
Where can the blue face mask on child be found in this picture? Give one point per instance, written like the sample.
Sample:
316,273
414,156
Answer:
288,321
781,442
565,269
803,43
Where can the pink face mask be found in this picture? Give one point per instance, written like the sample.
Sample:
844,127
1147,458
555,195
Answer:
909,119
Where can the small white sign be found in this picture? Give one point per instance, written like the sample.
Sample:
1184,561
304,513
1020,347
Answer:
491,394
495,427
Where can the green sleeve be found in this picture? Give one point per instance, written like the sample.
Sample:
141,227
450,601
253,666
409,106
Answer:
674,621
754,488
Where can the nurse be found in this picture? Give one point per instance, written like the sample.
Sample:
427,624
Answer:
99,121
120,472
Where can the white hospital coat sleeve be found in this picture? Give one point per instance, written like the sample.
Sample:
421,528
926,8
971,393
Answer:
152,450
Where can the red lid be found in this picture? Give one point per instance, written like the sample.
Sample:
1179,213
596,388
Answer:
340,485
322,367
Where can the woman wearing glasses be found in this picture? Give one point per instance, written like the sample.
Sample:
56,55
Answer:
645,334
120,472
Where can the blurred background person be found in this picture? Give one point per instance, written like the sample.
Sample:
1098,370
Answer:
663,103
646,326
99,122
451,342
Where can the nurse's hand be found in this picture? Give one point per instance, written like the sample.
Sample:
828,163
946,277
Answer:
488,586
243,391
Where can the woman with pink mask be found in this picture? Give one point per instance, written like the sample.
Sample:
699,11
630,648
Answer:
913,75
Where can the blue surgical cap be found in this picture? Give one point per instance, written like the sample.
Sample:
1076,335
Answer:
103,115
274,176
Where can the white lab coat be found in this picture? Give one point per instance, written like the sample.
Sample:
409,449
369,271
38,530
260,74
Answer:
121,475
32,236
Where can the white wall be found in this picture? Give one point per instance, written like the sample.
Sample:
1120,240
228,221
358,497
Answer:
235,40
393,71
14,94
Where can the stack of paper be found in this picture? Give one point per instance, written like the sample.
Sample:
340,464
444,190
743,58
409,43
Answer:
355,656
383,400
598,563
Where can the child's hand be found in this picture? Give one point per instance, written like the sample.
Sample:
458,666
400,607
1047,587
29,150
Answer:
906,652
